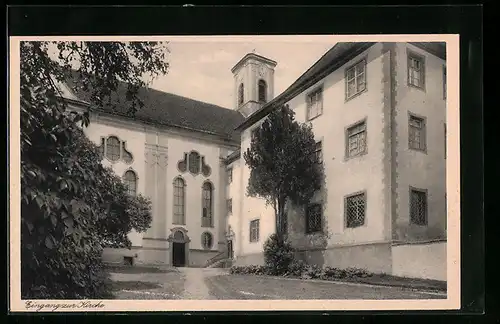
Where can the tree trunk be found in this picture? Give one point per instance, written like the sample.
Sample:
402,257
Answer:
279,219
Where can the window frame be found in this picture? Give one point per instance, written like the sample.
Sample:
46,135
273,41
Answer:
175,204
256,228
229,175
423,134
358,92
308,229
127,182
347,153
211,205
203,235
346,204
309,105
319,160
425,193
411,55
108,138
241,94
229,206
263,83
195,162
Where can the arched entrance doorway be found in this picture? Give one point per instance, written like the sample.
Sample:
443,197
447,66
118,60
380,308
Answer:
179,247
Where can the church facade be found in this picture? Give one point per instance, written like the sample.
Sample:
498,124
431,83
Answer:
378,111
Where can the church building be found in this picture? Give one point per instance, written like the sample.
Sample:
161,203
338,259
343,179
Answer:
378,111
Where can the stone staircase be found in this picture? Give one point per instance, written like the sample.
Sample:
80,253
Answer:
223,263
219,261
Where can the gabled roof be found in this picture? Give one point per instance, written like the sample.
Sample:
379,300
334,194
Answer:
166,109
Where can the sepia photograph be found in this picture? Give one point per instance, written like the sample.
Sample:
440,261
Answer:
230,169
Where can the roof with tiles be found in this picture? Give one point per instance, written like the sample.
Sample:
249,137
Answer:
166,109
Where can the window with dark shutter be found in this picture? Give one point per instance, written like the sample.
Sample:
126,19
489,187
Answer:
314,215
418,207
355,210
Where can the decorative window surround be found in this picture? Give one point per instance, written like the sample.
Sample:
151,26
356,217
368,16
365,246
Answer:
194,163
114,150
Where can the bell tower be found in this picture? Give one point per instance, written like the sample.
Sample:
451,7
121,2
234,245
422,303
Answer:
253,83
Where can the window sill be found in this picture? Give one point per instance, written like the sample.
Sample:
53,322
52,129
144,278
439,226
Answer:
421,88
318,232
423,151
418,225
354,227
313,118
357,94
347,158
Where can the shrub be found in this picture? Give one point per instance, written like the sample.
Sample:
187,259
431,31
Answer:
65,226
312,271
71,204
250,269
278,254
296,268
299,268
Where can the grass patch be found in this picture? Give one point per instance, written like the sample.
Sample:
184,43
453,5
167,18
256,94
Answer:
133,285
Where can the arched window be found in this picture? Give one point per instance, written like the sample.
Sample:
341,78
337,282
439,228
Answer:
207,240
240,94
179,201
206,219
130,180
262,91
113,148
194,162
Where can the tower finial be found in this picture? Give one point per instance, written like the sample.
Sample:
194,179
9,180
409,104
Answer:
253,51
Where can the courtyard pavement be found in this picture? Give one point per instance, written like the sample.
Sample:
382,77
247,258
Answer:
215,283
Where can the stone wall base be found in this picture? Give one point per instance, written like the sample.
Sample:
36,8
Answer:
416,260
153,256
375,257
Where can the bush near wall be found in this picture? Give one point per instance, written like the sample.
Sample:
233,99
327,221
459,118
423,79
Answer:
300,269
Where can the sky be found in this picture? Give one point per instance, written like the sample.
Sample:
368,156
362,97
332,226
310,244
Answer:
201,70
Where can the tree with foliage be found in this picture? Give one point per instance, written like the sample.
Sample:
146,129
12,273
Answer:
71,205
283,164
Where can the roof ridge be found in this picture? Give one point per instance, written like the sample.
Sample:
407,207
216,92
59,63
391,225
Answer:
187,98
